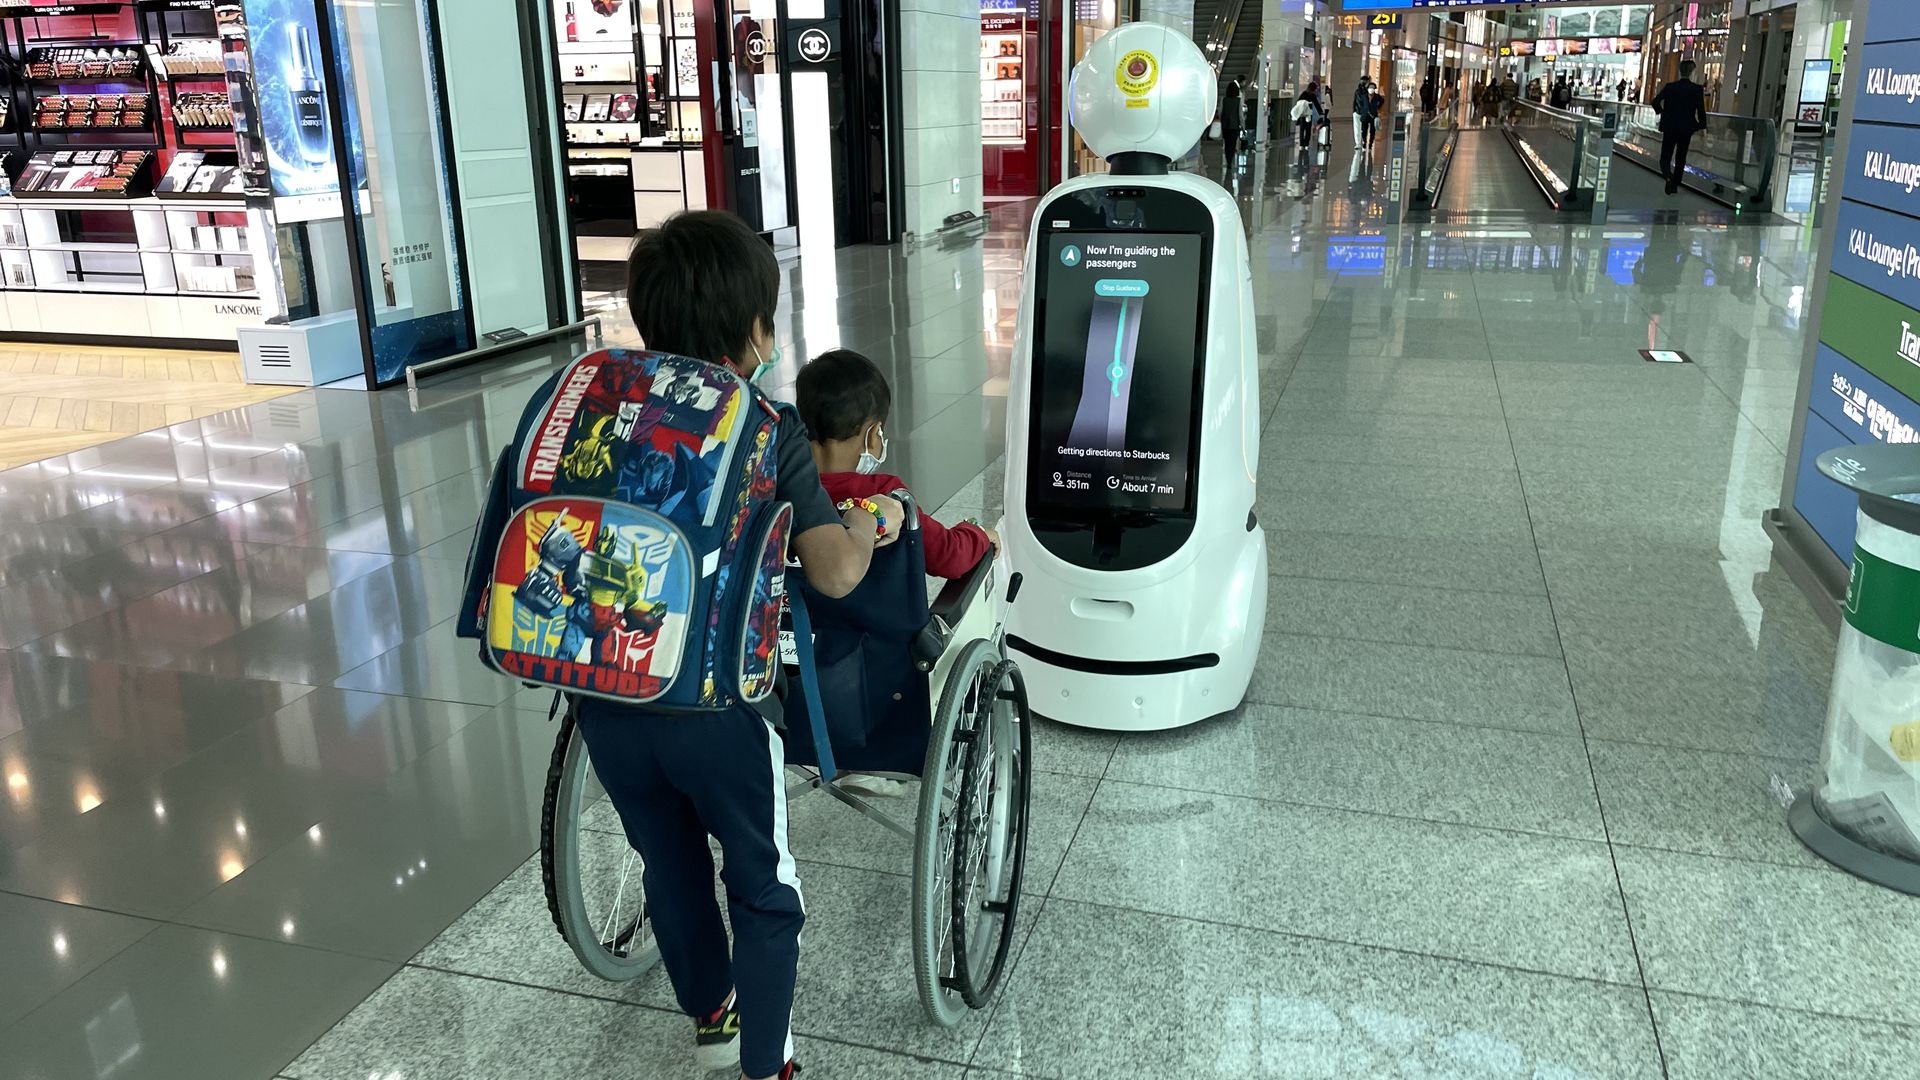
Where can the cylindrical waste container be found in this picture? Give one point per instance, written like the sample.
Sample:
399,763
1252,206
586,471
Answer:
1864,814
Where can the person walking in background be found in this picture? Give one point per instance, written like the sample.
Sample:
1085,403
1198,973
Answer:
1621,90
1562,93
1362,107
1306,109
1376,104
1233,117
1429,97
1682,105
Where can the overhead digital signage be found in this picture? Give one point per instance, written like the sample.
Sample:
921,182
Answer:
1866,374
1416,5
1599,46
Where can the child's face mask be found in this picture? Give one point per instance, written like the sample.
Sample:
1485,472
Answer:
868,463
767,363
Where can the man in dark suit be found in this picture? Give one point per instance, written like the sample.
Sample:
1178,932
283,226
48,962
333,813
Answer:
1682,105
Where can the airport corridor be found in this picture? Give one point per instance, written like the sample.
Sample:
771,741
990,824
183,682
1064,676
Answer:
1507,799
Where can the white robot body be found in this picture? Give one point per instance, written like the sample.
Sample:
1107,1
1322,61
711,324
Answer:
1141,566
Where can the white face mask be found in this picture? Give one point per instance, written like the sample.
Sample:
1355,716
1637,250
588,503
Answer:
870,464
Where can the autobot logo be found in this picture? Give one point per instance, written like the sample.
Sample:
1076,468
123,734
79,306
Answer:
1137,74
631,649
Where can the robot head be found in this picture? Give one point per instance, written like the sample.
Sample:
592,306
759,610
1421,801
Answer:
1143,88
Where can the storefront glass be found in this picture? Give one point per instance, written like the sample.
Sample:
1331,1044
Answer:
401,227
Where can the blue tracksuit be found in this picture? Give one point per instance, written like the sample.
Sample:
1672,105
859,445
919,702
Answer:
676,780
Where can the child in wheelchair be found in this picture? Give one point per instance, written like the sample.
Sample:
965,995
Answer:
703,285
843,399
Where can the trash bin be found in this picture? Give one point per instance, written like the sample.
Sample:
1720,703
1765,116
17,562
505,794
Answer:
1864,813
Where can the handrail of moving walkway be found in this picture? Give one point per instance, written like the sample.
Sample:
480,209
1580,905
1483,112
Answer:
1733,160
1525,122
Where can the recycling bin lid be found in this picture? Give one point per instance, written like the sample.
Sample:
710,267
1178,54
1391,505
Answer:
1886,477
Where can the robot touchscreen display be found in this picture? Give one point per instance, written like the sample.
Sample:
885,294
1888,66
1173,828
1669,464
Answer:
1116,372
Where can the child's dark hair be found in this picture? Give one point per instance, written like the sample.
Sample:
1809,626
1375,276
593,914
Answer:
700,284
840,391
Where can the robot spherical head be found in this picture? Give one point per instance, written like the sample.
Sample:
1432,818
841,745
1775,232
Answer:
1143,88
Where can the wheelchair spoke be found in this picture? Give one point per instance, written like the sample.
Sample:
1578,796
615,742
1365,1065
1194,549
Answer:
619,895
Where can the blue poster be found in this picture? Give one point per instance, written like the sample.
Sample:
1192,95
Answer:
1859,404
1889,84
1877,248
1892,20
1883,166
1827,506
291,87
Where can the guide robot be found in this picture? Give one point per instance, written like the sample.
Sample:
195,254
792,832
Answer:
1140,568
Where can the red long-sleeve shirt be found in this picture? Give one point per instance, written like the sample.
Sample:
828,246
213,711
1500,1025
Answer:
950,551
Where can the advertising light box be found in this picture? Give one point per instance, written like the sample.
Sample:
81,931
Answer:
1827,506
1880,250
1883,166
1889,84
1859,405
293,106
1866,373
1417,5
1893,20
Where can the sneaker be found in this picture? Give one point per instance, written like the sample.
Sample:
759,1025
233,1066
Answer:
787,1071
716,1040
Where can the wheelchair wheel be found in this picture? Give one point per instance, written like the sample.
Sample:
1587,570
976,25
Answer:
970,851
591,873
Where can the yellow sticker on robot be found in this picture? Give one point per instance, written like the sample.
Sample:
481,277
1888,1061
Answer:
1137,74
1905,740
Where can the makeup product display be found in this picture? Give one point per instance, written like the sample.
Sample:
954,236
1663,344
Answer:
625,108
599,107
202,175
220,280
85,173
78,62
92,112
187,58
124,212
1003,87
202,112
573,103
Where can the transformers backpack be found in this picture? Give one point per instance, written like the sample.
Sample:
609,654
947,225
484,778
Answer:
631,548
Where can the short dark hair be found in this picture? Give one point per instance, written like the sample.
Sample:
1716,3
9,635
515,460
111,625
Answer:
1686,69
701,284
839,392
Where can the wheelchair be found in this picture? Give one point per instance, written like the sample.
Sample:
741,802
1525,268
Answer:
915,689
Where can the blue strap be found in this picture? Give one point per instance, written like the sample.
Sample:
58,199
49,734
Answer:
810,684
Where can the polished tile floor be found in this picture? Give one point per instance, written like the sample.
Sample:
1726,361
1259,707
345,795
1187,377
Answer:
1505,801
55,399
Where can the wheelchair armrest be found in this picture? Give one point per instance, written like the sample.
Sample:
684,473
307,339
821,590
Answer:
946,611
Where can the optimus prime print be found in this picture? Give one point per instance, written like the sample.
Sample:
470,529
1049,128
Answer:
588,596
632,547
